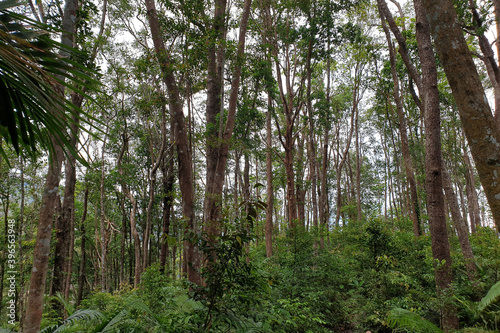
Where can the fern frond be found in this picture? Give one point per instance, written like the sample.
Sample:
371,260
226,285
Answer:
490,297
65,303
410,321
85,317
112,322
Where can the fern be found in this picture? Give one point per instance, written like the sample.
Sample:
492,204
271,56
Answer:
410,321
84,317
490,298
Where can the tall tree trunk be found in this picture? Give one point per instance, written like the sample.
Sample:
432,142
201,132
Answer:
343,158
214,107
64,224
152,188
133,212
470,188
269,180
300,188
81,272
311,144
405,148
213,197
433,169
168,197
182,143
359,213
41,251
480,128
460,226
102,225
323,192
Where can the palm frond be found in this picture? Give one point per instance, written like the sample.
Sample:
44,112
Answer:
31,68
85,317
490,298
410,321
110,324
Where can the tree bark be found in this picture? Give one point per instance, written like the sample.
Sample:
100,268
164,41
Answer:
182,144
133,212
460,226
41,253
152,188
168,198
269,180
479,125
34,308
81,273
433,169
405,148
214,108
212,211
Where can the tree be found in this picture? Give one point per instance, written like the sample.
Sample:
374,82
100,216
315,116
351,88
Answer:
479,125
434,168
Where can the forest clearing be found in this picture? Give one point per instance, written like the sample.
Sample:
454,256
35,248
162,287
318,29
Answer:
249,166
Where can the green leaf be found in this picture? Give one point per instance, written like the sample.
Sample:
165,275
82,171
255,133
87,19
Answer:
410,321
490,297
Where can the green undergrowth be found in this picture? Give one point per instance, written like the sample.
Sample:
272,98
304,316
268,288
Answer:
370,276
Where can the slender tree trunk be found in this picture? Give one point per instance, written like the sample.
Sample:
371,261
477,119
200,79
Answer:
269,180
460,226
214,106
41,252
152,188
480,128
64,224
323,193
81,273
168,198
345,155
311,145
405,149
433,169
133,212
184,154
212,211
359,213
300,188
102,224
470,184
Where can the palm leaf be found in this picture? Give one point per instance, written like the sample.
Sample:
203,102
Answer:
31,66
490,298
86,317
410,321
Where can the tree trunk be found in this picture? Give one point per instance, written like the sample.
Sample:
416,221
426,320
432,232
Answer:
41,251
479,125
405,148
81,273
433,169
269,180
133,212
213,197
359,213
470,188
460,226
214,107
168,198
152,188
300,188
